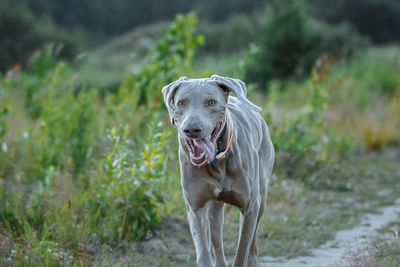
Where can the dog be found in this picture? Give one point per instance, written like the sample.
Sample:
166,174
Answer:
226,156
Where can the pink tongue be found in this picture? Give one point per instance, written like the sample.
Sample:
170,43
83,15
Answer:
207,146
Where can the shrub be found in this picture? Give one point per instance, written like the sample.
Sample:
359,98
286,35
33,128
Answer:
67,123
298,141
291,41
124,197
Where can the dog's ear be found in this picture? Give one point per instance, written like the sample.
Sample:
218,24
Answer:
237,87
169,93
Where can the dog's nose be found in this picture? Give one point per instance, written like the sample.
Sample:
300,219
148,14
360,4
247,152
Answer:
192,132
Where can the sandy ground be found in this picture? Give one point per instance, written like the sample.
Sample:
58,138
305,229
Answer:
333,252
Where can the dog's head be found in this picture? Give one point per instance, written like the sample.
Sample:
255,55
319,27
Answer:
197,108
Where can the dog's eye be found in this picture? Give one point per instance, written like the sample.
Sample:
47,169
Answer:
211,102
181,103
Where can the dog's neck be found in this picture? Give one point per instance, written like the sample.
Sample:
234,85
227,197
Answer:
223,139
221,142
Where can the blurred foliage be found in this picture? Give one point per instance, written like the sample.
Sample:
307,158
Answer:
23,33
172,56
231,35
228,25
108,18
291,41
377,19
221,10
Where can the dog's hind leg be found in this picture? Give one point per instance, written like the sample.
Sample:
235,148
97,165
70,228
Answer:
247,233
263,192
252,260
264,174
216,217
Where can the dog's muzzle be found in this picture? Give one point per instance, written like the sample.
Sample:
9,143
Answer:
202,151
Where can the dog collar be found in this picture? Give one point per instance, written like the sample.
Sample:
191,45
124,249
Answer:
220,156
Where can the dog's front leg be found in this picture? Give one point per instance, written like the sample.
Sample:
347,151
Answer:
200,230
216,217
248,229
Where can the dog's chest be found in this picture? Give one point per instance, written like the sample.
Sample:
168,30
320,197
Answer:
230,197
227,190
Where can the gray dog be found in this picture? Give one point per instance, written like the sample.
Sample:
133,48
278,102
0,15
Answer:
226,156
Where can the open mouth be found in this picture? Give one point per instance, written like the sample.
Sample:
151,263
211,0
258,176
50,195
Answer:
203,150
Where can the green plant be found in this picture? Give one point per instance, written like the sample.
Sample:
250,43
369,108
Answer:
298,141
282,44
67,123
45,60
124,197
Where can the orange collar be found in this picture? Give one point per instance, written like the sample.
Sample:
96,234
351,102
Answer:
222,154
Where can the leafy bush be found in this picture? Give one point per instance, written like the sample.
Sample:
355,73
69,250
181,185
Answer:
65,131
125,195
300,146
291,41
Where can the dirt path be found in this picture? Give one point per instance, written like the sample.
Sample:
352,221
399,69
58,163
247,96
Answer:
332,252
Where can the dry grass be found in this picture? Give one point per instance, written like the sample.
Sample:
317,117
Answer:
381,125
377,134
